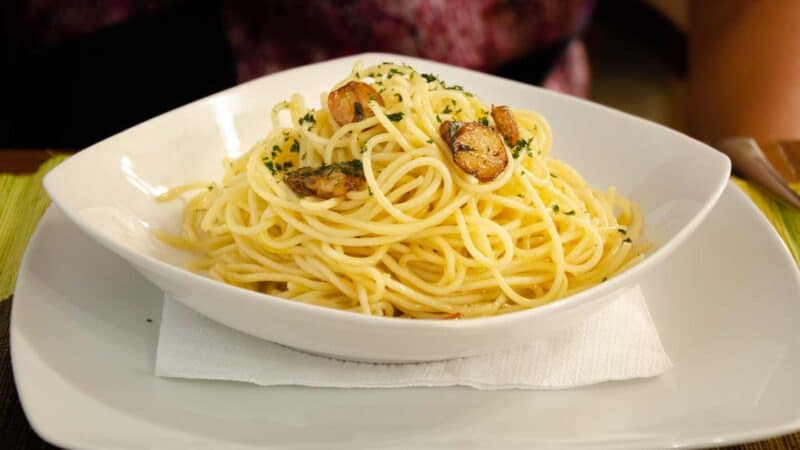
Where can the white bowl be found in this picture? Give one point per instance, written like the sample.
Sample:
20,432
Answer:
108,191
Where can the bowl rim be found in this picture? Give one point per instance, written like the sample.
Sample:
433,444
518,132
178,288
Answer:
602,290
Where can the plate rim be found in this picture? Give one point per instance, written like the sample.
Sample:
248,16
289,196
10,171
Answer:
757,433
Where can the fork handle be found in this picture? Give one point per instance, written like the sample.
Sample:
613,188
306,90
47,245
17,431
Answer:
749,162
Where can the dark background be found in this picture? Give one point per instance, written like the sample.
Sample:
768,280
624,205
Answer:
79,92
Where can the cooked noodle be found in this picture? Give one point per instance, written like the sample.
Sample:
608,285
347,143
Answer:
423,239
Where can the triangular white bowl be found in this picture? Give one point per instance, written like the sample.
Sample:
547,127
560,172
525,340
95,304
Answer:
108,190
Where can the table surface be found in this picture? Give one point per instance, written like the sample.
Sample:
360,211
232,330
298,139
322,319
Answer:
16,433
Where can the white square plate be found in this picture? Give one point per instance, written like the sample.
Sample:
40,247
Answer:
727,306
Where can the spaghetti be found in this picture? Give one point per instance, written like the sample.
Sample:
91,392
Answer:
419,237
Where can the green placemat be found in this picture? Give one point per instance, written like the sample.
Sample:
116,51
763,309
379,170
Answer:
785,218
22,202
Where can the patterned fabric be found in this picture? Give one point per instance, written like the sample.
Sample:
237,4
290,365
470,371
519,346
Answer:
274,35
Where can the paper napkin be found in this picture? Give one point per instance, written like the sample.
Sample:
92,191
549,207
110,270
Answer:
618,342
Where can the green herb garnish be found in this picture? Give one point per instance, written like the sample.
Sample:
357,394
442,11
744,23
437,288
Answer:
308,117
429,77
395,117
393,72
520,146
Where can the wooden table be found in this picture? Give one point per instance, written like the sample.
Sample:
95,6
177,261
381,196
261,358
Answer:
16,433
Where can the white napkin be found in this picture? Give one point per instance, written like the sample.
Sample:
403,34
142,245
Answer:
618,342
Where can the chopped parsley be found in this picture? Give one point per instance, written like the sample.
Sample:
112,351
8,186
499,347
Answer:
484,121
429,141
277,167
628,240
429,77
364,147
395,117
520,146
570,213
370,190
447,110
622,231
605,279
393,72
350,168
210,187
555,208
399,97
308,117
438,119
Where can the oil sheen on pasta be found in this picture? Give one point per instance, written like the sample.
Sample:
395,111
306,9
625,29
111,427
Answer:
422,239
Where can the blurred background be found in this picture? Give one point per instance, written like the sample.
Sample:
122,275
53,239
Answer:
77,71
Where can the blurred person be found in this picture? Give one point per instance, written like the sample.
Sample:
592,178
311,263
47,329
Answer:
80,70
